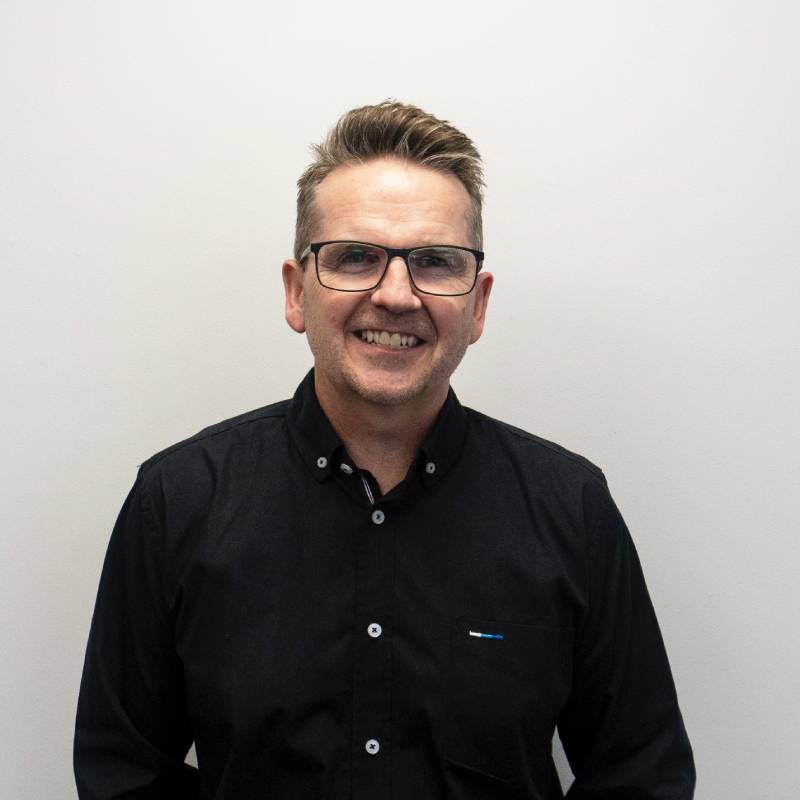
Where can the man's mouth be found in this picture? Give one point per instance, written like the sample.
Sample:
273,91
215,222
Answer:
398,340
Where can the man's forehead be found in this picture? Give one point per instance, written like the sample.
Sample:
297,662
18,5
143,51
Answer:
391,190
388,176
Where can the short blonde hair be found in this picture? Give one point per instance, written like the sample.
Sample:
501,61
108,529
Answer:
390,129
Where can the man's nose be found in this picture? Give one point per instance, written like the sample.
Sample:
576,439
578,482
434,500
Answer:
395,292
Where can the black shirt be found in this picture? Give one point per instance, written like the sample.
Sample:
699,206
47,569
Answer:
318,640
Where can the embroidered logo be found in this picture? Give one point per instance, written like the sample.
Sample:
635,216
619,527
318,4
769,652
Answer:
479,635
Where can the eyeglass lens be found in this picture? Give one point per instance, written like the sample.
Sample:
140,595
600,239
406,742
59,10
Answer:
352,266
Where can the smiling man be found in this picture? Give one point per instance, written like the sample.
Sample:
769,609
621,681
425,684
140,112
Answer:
387,330
370,591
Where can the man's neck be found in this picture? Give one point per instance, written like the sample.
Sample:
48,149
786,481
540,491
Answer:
383,439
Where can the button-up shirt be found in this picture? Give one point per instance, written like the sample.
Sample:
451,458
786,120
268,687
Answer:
314,638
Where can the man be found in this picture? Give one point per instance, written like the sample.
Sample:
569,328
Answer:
370,591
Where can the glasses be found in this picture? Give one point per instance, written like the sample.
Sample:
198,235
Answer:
441,269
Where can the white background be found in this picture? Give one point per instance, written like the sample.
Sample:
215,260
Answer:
641,222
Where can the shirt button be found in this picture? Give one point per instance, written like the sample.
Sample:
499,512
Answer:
374,630
322,462
372,746
378,517
346,468
430,468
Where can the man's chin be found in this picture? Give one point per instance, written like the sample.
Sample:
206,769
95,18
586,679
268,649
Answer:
393,388
388,390
388,395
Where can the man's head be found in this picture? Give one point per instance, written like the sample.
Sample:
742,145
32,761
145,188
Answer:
392,344
390,129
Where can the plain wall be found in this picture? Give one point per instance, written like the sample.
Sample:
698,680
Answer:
641,222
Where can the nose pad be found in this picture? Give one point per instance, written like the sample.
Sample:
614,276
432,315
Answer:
397,273
395,291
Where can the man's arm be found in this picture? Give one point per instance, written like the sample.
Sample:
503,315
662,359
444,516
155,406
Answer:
132,731
622,729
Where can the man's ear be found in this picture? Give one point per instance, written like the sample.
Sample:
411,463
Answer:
293,275
482,290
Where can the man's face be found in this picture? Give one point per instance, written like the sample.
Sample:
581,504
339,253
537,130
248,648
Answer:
397,204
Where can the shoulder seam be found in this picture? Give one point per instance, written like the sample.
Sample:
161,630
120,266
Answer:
272,411
582,461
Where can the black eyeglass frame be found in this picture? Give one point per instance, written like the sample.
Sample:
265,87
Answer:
392,253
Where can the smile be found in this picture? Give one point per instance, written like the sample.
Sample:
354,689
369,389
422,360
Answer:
398,340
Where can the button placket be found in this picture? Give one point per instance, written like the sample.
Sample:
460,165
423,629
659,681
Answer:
372,680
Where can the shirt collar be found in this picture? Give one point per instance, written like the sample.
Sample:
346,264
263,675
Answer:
318,442
312,432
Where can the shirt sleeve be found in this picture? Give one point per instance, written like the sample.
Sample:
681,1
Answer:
622,729
132,732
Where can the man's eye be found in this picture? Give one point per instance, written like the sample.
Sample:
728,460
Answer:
442,259
431,261
357,257
348,258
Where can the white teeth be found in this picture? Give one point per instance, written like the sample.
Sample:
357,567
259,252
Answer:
389,339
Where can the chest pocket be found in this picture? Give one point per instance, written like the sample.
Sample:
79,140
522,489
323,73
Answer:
504,694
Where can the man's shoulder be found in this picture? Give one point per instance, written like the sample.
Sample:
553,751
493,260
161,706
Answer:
529,447
255,425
